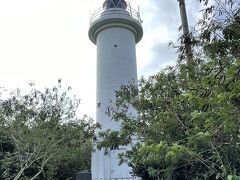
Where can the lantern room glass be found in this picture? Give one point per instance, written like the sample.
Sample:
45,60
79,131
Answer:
115,4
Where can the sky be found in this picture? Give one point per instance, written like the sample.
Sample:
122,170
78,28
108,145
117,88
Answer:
46,40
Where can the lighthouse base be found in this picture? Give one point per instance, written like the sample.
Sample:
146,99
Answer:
107,167
84,176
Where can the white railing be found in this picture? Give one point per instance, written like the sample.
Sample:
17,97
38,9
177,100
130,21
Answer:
129,11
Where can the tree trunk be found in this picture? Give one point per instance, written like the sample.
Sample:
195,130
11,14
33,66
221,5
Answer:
19,174
36,175
187,43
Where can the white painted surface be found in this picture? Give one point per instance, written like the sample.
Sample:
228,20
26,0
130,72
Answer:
116,66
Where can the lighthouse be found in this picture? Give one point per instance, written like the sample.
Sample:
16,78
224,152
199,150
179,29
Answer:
115,28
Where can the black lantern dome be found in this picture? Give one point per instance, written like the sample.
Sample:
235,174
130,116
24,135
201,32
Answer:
115,4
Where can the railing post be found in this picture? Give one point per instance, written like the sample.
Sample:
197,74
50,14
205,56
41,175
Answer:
131,12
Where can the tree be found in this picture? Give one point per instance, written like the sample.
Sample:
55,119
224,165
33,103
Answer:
187,126
40,131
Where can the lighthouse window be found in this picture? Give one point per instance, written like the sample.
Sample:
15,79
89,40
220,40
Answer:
115,4
115,45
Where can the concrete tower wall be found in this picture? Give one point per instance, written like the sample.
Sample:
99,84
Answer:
116,66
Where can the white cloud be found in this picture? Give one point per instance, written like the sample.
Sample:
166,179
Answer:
43,40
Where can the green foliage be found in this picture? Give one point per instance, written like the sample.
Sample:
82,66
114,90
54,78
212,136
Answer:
41,136
187,126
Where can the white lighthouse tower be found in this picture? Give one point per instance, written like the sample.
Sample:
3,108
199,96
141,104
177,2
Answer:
115,29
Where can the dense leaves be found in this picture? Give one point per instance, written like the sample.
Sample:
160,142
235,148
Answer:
41,136
187,127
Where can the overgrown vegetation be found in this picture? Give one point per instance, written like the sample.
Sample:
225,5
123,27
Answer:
41,136
187,126
186,123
